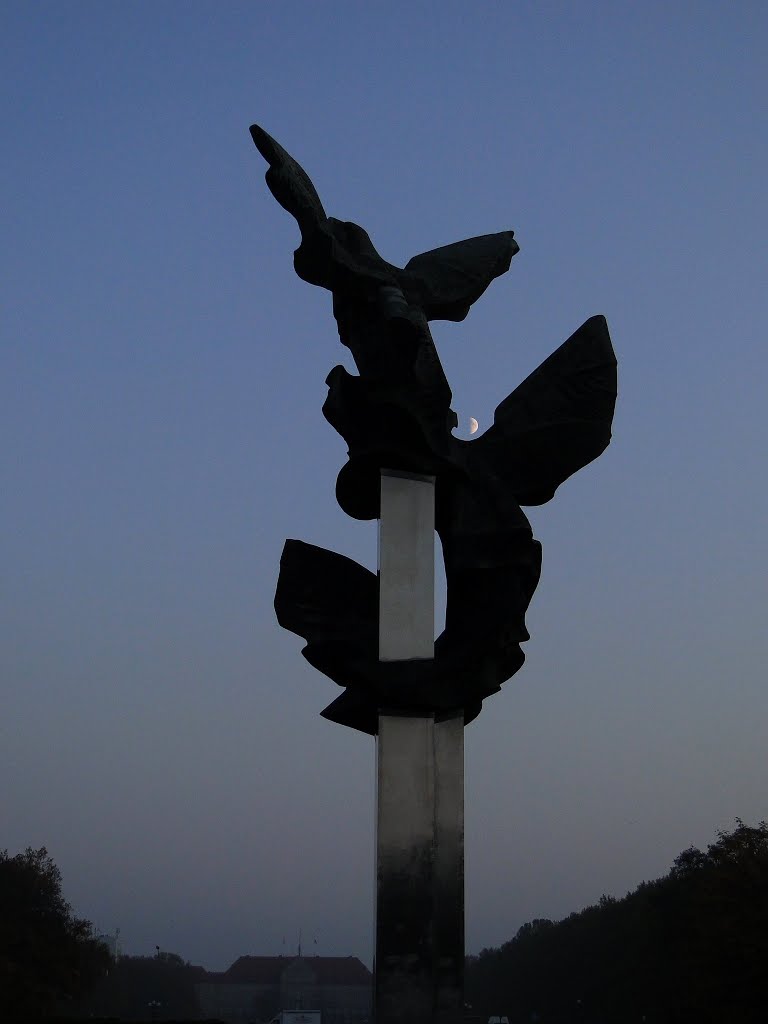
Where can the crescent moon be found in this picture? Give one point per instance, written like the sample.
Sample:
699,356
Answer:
473,425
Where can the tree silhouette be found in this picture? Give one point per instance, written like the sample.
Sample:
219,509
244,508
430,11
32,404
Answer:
689,947
47,955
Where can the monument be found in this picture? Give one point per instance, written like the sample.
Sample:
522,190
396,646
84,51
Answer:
374,634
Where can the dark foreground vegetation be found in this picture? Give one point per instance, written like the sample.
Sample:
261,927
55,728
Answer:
688,948
138,988
47,955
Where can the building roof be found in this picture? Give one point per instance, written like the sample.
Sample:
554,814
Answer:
267,970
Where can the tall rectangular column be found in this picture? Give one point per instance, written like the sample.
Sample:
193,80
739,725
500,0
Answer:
405,867
448,876
420,788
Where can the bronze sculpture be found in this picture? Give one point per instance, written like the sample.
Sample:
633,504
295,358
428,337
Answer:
397,414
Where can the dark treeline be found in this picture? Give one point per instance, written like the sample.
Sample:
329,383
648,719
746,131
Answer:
52,965
139,988
47,955
689,947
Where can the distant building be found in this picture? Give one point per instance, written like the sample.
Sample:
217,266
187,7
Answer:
256,988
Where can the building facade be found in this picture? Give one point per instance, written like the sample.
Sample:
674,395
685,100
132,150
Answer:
255,988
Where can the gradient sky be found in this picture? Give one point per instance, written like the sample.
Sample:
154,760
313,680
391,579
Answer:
162,373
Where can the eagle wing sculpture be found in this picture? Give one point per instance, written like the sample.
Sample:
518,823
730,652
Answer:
396,414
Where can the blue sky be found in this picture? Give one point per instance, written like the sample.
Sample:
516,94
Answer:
162,373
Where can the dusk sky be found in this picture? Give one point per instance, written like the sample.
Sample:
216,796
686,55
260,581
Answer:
162,375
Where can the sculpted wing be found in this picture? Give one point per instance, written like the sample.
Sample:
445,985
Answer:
334,254
289,183
446,281
558,420
339,255
332,602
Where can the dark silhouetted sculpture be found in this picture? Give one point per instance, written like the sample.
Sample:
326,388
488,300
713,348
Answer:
396,415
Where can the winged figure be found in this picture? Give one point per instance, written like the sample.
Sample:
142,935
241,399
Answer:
396,414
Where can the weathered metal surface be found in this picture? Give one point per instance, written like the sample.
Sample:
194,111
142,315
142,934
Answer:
419,870
448,877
